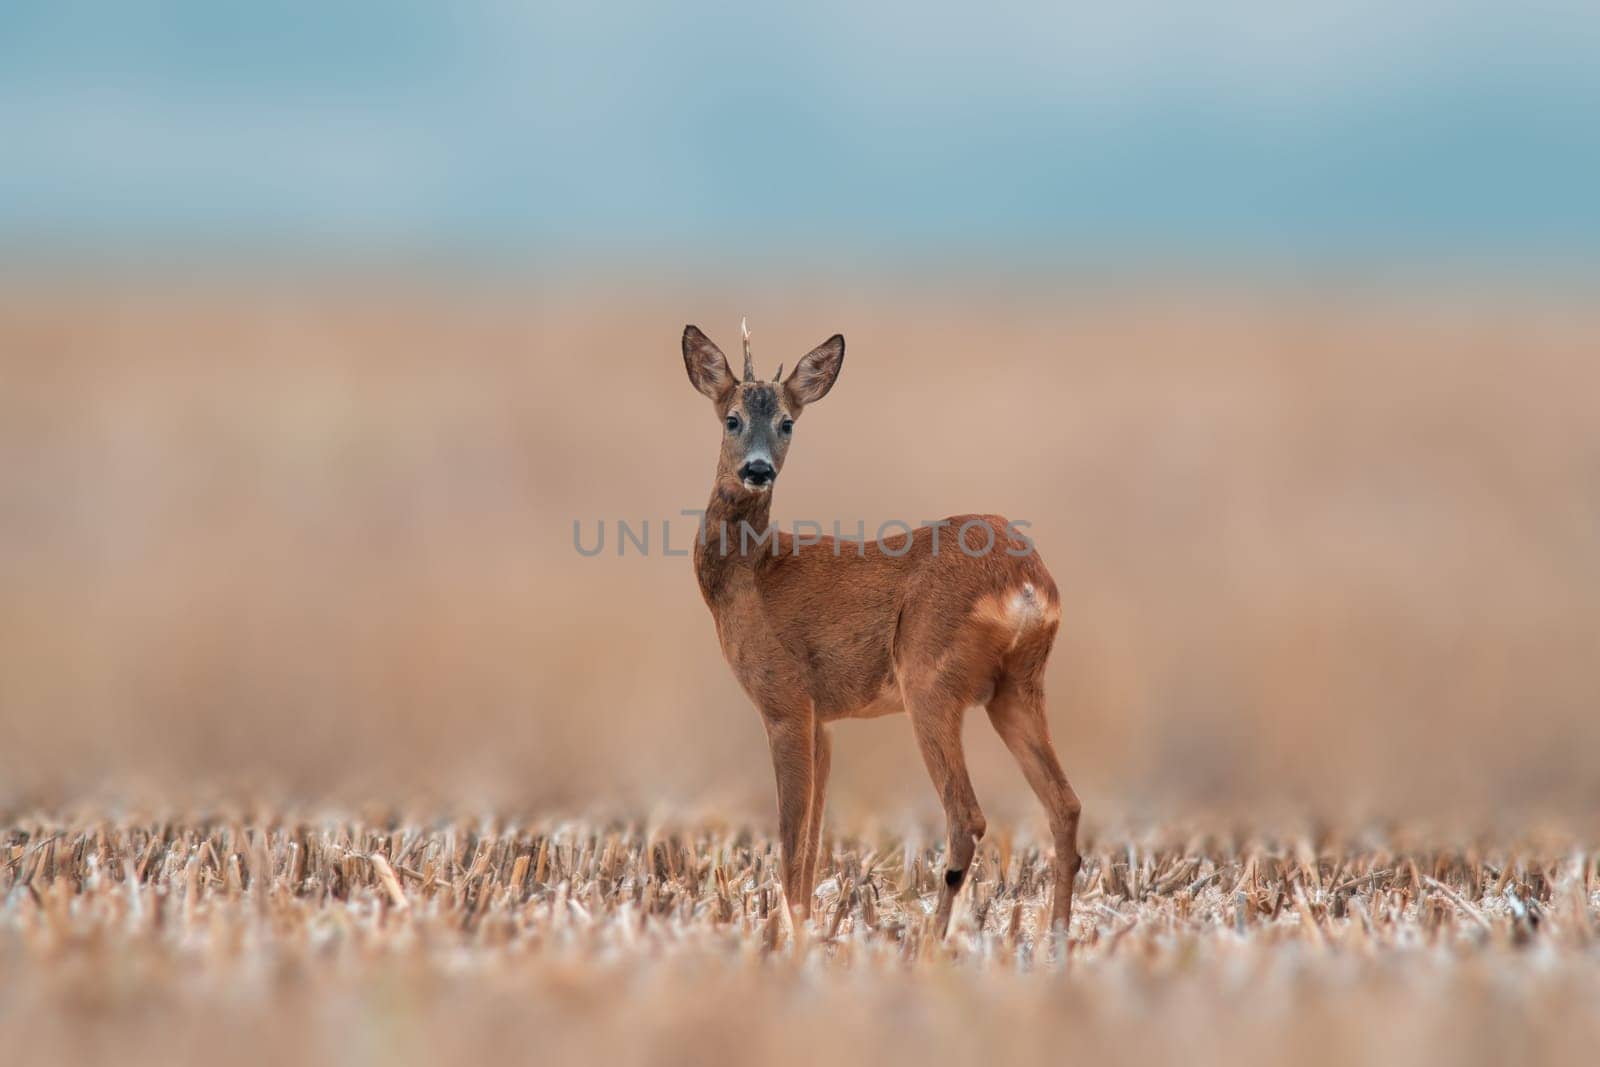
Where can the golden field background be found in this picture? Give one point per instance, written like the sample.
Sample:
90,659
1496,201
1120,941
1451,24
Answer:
1330,549
320,741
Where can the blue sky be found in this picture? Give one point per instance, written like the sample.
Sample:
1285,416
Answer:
1455,131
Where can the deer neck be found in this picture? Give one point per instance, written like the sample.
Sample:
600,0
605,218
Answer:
726,552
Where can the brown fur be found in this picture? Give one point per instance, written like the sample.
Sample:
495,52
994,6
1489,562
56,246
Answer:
827,631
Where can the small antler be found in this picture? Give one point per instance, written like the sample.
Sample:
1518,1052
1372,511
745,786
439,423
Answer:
749,364
779,376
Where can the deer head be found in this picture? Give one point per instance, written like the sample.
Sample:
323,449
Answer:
758,417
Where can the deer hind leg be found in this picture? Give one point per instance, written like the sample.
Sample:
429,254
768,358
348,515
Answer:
1017,712
822,749
792,739
936,719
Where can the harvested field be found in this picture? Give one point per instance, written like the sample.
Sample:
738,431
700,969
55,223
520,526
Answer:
303,546
254,934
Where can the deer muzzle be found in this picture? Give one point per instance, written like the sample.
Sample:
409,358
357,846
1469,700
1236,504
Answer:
757,474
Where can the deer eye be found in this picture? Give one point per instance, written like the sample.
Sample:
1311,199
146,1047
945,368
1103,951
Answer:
786,426
732,422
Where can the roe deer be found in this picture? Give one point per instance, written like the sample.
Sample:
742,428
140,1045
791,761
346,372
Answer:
817,629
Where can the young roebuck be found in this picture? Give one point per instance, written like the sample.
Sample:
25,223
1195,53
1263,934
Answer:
818,629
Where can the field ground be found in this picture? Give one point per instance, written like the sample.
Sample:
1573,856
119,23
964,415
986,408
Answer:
255,935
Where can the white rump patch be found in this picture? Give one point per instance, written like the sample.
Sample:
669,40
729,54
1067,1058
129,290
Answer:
1018,611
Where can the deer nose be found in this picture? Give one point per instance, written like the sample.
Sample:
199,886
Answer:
757,472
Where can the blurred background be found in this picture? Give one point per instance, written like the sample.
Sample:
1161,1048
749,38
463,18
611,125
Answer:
320,327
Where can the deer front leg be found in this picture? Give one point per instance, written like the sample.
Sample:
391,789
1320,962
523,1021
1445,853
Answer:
793,739
821,760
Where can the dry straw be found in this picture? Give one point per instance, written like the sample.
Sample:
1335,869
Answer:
592,911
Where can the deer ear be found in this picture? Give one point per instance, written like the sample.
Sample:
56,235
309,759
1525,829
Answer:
707,366
816,372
